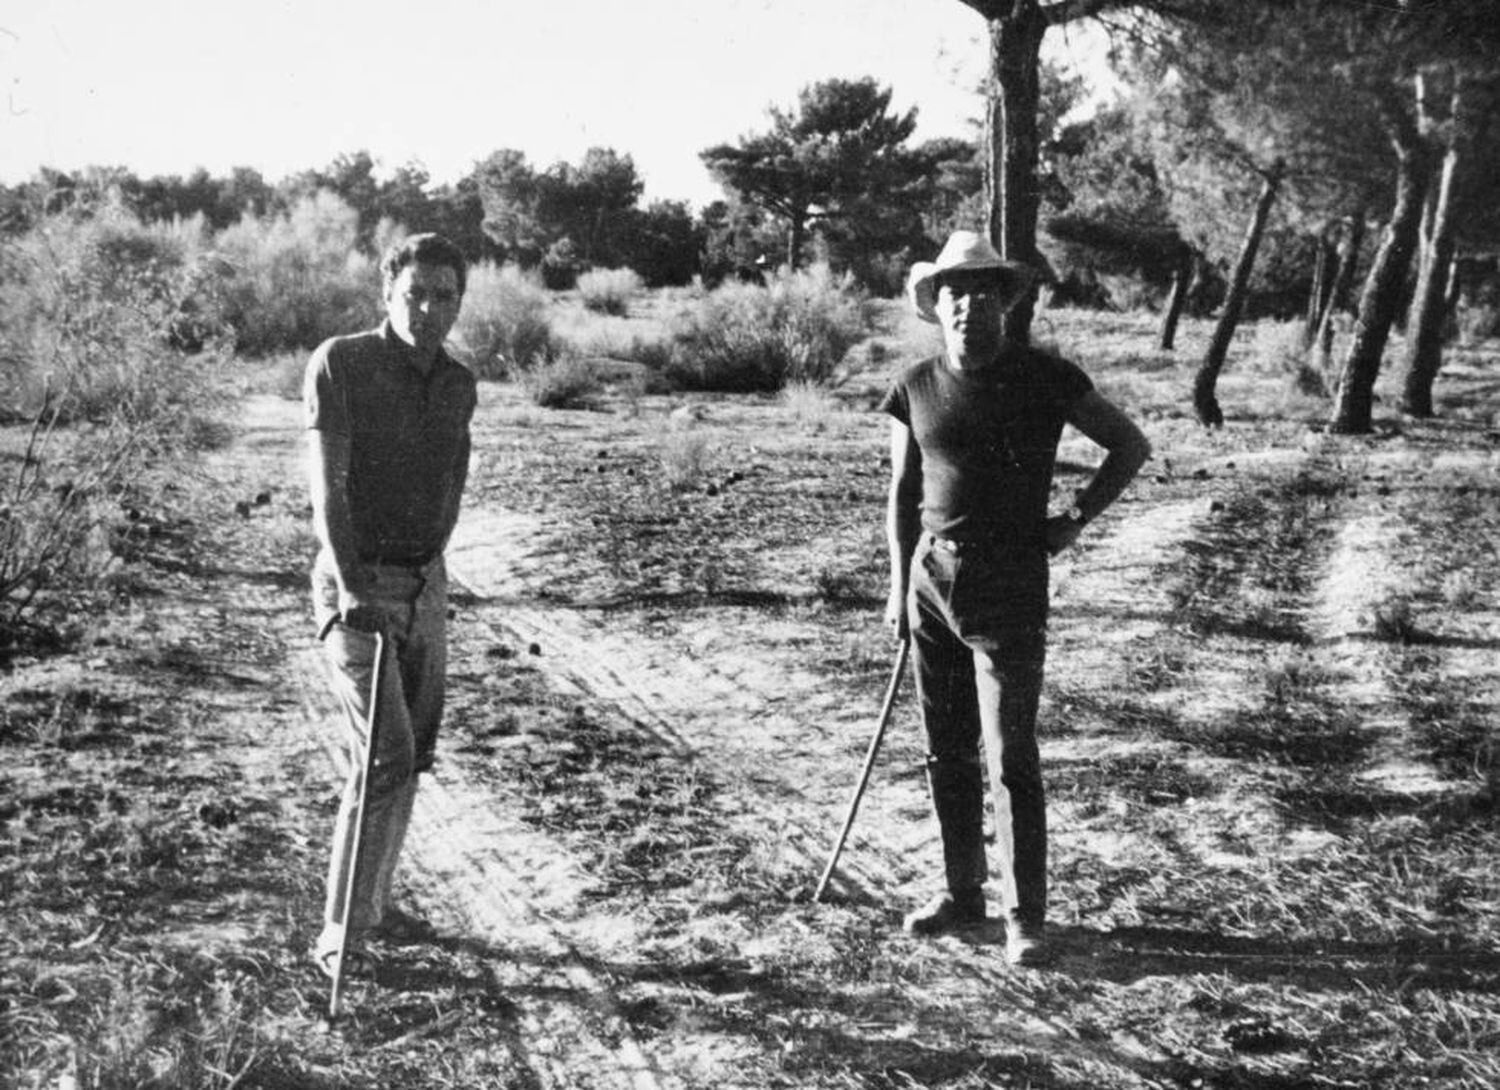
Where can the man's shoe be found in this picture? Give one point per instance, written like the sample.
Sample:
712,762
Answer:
1025,945
404,929
947,912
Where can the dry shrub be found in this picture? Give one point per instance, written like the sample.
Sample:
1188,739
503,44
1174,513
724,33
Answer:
503,327
810,402
292,281
1477,321
684,458
90,310
1283,346
745,337
568,382
609,291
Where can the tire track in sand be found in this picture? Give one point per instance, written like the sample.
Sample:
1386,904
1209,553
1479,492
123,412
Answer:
480,872
745,714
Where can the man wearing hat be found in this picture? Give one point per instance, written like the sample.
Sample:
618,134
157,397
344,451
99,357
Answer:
974,439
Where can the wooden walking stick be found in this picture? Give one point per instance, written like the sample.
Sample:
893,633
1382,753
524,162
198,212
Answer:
864,776
336,993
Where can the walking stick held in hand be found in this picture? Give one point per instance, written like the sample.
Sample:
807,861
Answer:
864,775
336,994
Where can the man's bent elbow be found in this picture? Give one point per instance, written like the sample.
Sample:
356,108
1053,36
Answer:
1142,452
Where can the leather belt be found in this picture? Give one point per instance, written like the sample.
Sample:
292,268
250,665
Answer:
398,562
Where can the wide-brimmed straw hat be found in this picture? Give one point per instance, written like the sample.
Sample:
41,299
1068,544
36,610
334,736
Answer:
965,250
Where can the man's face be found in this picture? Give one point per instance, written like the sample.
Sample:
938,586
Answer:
422,302
970,307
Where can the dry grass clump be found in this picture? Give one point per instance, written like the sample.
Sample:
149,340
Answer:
810,403
93,322
567,382
610,291
686,458
289,282
504,326
745,337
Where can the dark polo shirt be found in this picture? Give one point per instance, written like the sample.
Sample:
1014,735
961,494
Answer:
988,446
409,439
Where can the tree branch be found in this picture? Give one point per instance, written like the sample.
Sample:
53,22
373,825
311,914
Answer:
1054,14
1068,11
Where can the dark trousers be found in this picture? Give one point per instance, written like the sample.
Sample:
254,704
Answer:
978,620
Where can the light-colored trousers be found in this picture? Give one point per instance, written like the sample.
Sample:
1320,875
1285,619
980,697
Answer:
409,709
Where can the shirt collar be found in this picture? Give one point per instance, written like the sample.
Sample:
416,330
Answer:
404,350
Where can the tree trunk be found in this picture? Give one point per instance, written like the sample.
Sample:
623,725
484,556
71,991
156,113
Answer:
1430,306
1338,296
1204,400
1182,280
1012,192
1354,400
794,239
1322,284
1424,323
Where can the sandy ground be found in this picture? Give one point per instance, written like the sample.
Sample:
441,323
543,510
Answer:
739,701
666,664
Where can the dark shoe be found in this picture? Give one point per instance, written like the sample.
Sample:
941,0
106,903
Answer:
1025,945
947,912
404,929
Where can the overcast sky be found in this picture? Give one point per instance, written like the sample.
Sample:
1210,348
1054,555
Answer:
164,86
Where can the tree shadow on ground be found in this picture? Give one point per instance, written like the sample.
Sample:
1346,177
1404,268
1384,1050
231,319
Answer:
1125,955
821,1029
1339,804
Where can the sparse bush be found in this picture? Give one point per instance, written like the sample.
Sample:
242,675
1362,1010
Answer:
744,337
89,309
1477,321
1283,346
1395,621
1131,293
503,327
1460,589
561,265
609,291
684,458
809,402
292,281
87,312
654,354
567,382
287,372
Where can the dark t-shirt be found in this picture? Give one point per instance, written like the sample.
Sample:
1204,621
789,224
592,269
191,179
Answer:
409,439
988,446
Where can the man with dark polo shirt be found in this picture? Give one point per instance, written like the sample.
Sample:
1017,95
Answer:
388,414
974,440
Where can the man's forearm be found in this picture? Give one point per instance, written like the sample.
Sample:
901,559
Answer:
902,528
332,521
455,496
1113,476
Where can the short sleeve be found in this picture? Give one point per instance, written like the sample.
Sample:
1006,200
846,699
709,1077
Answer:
896,403
323,403
1066,381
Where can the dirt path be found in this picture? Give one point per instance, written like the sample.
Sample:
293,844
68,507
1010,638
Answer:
737,705
623,861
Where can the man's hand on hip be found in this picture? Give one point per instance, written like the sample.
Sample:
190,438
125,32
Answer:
1061,531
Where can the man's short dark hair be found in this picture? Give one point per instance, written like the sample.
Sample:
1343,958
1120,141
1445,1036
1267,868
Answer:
428,248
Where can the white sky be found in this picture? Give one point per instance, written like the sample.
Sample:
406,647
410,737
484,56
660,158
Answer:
165,86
